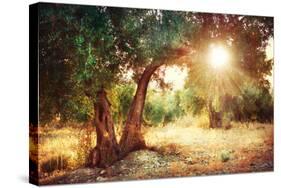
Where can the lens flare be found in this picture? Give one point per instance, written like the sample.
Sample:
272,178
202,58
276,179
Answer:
218,56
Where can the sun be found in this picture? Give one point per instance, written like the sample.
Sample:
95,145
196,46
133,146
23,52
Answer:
218,56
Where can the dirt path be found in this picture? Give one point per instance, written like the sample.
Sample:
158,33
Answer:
146,164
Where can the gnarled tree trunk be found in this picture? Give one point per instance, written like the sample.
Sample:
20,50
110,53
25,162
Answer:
132,139
106,151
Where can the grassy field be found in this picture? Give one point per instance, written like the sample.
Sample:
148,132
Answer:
182,148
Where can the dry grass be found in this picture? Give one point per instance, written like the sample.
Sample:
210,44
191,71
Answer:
210,150
62,149
192,135
203,150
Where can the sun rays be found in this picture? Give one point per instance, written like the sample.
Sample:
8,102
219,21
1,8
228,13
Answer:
214,72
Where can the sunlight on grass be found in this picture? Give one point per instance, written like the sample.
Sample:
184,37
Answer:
61,150
218,141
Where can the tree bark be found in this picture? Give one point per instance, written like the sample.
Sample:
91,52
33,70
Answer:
132,138
106,151
215,118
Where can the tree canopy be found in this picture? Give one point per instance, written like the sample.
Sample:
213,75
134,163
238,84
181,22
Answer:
85,48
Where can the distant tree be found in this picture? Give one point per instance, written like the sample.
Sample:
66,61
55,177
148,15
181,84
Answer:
121,96
252,104
154,111
192,102
162,108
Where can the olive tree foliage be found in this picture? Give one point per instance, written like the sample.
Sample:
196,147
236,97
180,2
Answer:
148,37
85,48
76,58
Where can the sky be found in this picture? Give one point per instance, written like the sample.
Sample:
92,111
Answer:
269,49
175,76
270,55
